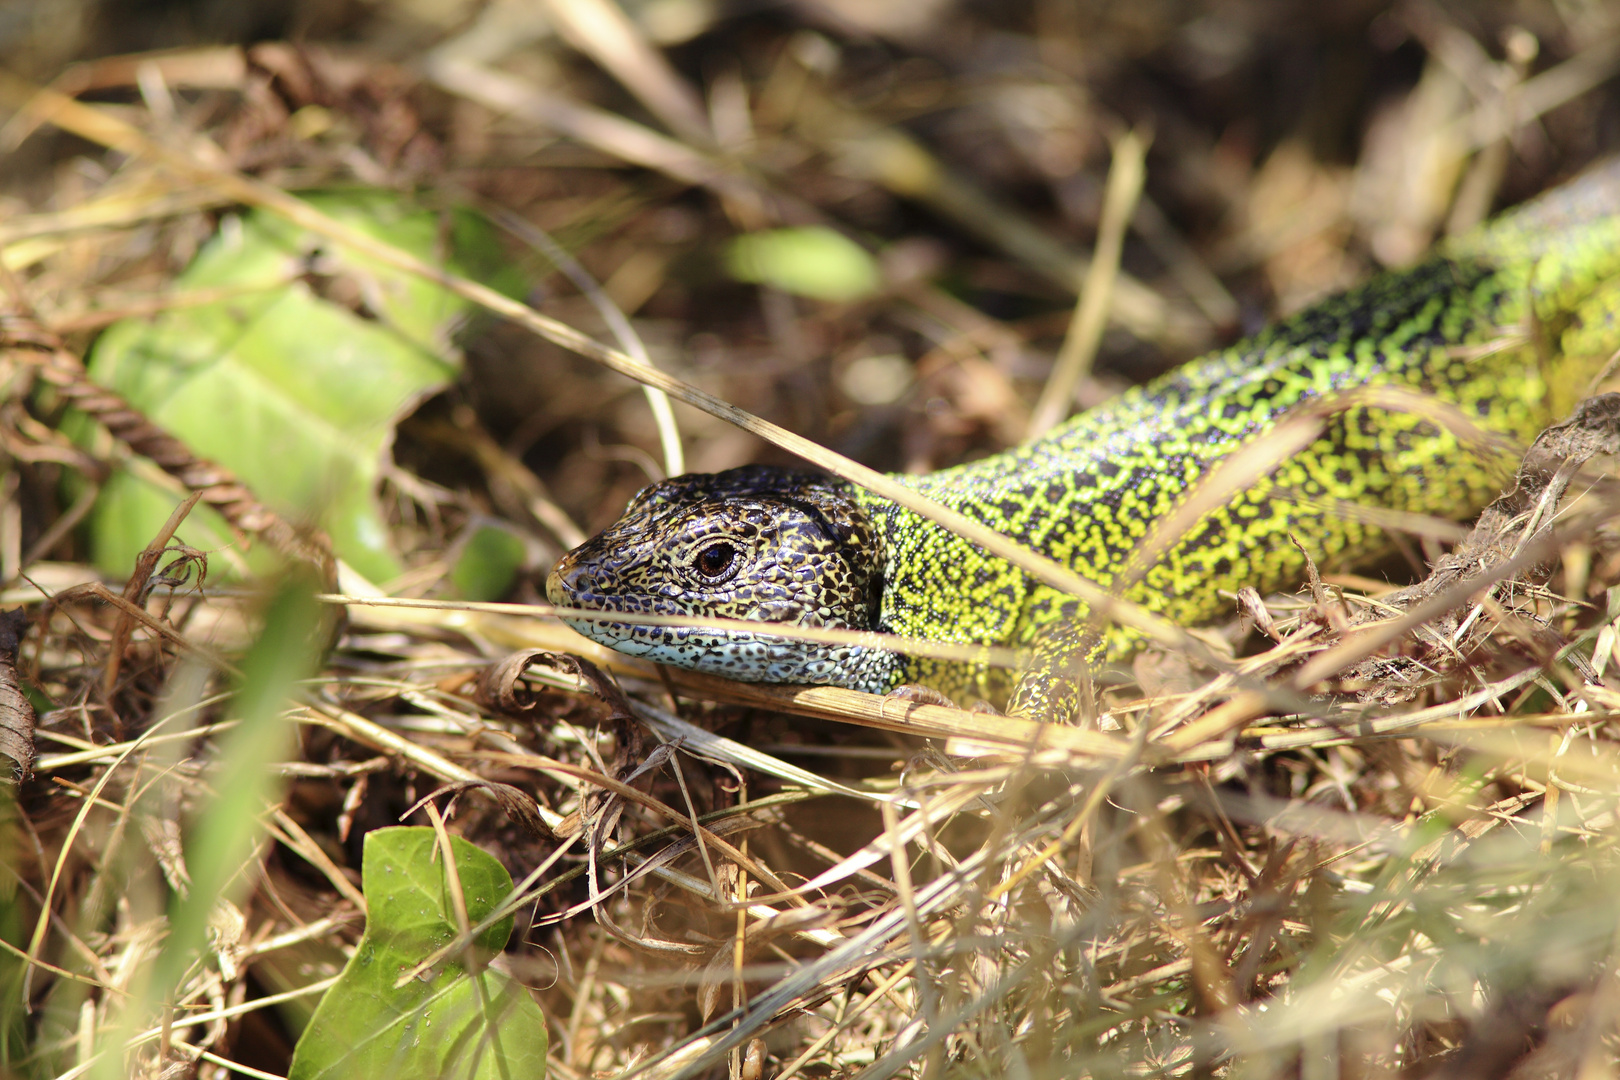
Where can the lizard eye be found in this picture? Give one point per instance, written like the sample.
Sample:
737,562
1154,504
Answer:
716,561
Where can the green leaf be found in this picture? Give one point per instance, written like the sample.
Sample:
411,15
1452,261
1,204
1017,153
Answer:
488,564
816,262
286,650
15,1023
450,1023
295,392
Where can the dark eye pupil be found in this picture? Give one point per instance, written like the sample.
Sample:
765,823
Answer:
716,559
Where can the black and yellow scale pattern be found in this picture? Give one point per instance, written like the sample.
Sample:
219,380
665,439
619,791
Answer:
1423,383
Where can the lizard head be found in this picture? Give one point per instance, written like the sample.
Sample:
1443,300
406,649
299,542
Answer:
757,543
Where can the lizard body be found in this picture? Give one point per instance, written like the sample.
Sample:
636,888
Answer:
1420,383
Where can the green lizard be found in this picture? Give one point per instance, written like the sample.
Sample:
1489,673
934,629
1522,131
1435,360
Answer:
1420,381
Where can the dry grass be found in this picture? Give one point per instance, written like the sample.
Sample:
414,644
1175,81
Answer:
1376,845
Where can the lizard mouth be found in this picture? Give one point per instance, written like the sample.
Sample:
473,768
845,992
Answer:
571,585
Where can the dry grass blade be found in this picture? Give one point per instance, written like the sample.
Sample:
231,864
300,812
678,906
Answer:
944,650
600,29
669,434
609,132
891,157
1513,535
1079,349
1548,90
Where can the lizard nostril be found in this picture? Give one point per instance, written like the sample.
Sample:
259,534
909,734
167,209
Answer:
566,581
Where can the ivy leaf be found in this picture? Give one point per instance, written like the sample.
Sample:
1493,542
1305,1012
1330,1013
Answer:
478,1025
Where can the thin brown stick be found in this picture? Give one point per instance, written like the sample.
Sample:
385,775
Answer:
23,339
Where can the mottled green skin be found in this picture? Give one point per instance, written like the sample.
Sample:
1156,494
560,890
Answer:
1507,324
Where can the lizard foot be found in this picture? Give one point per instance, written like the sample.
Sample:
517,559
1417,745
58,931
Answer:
920,695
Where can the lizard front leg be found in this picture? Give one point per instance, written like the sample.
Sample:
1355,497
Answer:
1057,682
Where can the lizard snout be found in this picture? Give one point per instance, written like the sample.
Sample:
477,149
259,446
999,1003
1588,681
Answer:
568,581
